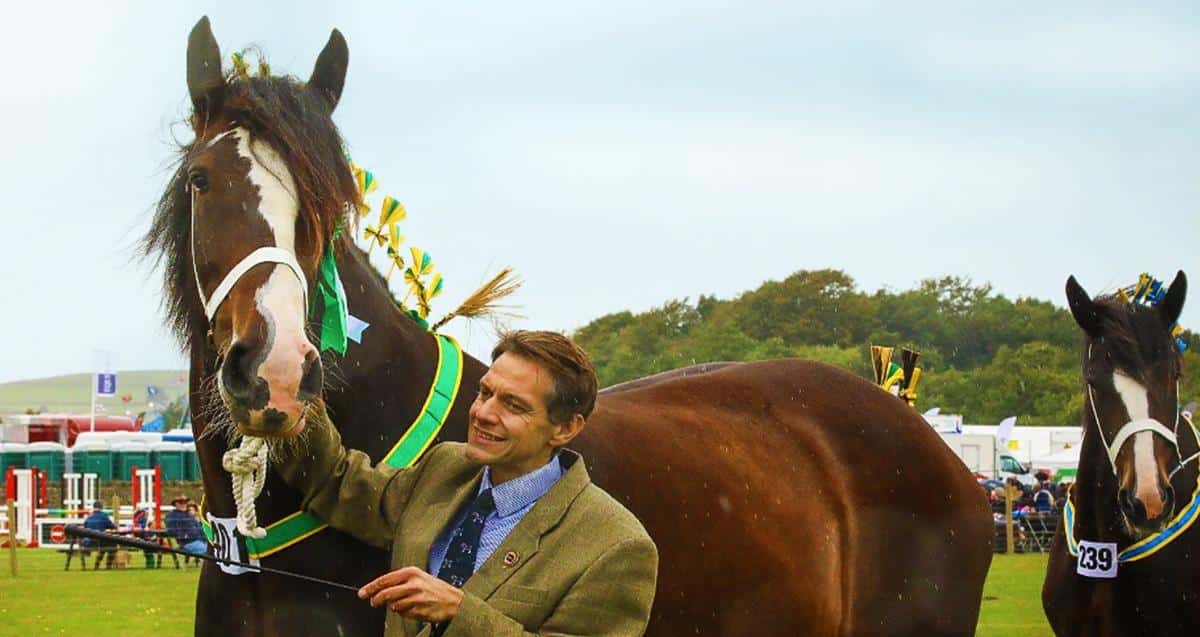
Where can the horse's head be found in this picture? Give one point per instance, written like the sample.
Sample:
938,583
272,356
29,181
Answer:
258,194
1131,368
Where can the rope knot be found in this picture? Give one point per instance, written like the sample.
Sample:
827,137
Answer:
247,465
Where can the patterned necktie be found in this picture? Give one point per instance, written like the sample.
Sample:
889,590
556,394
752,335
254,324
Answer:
459,563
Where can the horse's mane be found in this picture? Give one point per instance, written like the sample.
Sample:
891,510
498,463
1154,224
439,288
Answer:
1134,333
295,122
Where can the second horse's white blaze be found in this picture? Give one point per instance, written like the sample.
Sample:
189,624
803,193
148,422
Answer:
1145,468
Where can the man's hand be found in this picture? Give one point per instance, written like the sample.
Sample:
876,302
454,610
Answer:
415,594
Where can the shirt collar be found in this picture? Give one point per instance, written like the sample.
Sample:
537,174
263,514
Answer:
522,491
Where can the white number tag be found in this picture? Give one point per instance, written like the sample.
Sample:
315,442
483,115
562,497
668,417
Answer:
1097,559
226,546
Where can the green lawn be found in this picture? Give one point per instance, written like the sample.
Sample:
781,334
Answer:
44,600
1012,598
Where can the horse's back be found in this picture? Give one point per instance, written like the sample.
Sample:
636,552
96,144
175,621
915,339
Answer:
812,502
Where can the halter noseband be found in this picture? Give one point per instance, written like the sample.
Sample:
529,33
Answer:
265,254
1130,428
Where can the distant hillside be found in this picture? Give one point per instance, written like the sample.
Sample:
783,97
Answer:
70,393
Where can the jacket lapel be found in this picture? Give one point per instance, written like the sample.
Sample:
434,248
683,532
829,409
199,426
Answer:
525,539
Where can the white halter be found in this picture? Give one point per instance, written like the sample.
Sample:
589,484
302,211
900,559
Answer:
1128,429
265,254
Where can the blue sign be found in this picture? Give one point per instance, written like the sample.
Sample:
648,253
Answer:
106,384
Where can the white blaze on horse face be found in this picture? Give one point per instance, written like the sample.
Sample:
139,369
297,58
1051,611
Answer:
1145,468
280,300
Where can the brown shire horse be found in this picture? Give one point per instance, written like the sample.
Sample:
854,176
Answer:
1131,487
786,497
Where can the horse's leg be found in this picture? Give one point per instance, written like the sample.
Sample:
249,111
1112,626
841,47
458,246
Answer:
225,604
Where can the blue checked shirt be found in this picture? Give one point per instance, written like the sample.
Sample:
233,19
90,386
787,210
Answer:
513,500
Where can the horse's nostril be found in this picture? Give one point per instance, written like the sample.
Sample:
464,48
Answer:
240,379
311,377
1129,504
1168,497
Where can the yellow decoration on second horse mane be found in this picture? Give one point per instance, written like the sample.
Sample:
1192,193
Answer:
240,68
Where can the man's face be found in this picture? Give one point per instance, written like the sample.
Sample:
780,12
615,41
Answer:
510,428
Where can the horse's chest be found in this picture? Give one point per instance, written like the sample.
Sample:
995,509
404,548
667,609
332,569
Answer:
1148,605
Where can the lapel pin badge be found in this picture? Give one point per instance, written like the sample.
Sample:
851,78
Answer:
510,558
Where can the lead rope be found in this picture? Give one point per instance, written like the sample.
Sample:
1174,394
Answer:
247,467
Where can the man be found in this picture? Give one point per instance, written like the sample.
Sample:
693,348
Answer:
98,520
504,535
185,527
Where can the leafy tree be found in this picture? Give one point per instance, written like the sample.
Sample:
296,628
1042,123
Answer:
983,355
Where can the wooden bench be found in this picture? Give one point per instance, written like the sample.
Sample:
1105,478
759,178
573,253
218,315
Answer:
82,551
110,551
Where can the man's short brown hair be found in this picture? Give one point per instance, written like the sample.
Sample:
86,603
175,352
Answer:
570,368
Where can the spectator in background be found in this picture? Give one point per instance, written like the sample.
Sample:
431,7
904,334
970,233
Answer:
97,521
185,527
1043,499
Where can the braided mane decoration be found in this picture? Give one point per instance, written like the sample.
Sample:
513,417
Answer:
1149,291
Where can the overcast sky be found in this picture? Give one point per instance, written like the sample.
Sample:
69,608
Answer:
620,154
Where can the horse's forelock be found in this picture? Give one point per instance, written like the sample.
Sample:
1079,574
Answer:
1134,335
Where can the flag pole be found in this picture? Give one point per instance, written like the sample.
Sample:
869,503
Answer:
92,390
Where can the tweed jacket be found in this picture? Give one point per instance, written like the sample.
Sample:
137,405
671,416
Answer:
577,564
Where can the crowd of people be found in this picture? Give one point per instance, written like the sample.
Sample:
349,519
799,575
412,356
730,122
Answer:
182,523
1035,509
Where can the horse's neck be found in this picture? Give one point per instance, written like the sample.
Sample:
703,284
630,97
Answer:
1094,493
392,344
372,392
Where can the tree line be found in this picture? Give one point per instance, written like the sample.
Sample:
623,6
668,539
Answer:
983,355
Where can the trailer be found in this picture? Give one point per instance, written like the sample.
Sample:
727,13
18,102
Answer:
985,459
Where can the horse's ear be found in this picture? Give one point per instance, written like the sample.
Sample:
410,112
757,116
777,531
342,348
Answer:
205,82
329,73
1082,307
1171,304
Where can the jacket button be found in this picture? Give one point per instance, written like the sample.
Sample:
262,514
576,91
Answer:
511,558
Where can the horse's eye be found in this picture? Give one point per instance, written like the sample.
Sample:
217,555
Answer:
198,180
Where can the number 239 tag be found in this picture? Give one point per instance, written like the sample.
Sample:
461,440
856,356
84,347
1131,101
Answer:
1097,559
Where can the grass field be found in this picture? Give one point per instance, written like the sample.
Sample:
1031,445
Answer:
1012,598
69,393
44,600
